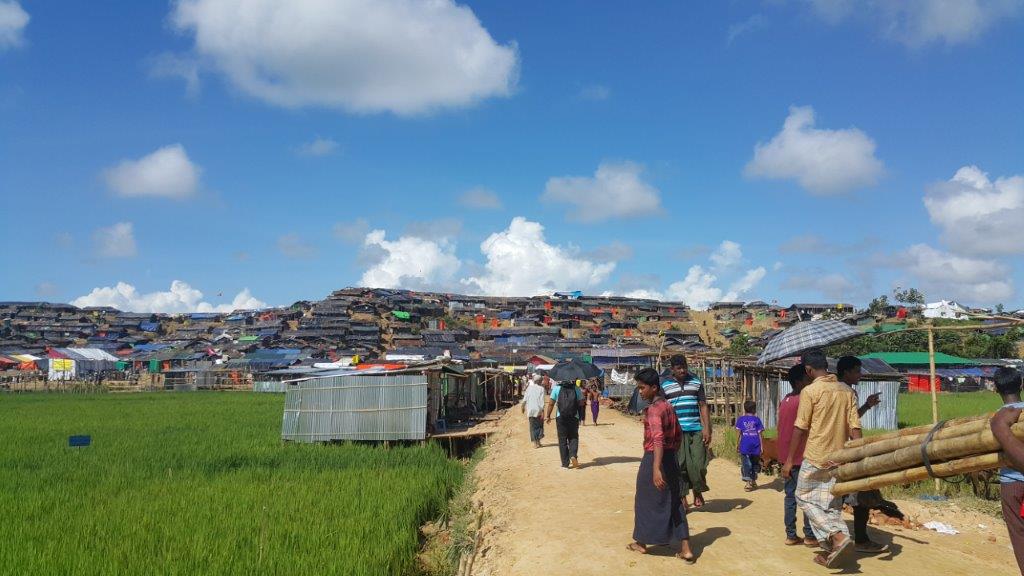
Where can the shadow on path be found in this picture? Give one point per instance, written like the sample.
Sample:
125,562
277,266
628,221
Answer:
605,460
722,505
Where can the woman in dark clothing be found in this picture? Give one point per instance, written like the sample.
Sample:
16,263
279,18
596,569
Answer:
659,517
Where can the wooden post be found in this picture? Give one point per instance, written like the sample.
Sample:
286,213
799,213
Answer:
931,384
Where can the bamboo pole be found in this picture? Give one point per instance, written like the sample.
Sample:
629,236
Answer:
931,384
913,431
951,468
949,430
979,443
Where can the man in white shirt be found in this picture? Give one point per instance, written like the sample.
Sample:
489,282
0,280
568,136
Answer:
533,406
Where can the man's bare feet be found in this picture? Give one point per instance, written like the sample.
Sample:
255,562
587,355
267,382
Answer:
637,547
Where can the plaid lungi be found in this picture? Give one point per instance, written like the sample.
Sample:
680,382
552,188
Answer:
814,494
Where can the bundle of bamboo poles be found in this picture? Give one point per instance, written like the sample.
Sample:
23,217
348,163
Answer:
960,446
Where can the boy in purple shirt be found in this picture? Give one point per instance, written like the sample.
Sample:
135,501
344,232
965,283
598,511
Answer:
750,429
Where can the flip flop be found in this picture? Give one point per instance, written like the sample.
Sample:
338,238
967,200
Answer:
840,553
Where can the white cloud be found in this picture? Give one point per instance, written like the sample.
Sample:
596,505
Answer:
166,173
823,161
750,279
615,191
318,147
170,65
401,56
920,22
978,216
480,199
352,232
740,28
727,255
700,286
641,294
180,298
293,246
411,262
521,263
942,275
595,92
116,241
697,290
13,20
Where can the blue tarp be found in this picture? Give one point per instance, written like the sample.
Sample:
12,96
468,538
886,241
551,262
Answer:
149,326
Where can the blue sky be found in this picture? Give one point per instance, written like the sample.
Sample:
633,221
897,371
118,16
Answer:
781,150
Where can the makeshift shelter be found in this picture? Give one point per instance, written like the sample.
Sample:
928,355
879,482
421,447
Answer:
945,309
71,363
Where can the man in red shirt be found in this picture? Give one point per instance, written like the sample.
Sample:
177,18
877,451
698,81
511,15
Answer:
787,417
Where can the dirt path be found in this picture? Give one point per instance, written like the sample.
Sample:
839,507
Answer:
532,527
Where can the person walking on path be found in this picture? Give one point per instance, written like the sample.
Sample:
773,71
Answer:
533,407
750,429
685,393
848,370
582,386
1011,479
798,379
827,417
658,514
566,400
595,400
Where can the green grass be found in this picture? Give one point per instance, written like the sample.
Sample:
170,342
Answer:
916,409
202,484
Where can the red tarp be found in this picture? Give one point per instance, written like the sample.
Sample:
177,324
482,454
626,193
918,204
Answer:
919,383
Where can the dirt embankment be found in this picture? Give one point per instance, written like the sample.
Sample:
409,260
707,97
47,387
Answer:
542,519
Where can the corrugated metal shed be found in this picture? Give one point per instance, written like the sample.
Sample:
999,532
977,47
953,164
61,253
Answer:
881,417
356,407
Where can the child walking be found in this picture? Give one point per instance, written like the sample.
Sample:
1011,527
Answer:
750,429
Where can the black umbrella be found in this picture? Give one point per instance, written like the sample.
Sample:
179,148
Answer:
572,370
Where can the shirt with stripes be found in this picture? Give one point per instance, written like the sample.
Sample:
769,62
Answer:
685,399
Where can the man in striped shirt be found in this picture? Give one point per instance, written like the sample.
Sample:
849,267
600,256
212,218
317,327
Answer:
685,393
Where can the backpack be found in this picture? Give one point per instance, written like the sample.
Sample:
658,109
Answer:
567,402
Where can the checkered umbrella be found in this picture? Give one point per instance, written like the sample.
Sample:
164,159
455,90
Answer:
804,336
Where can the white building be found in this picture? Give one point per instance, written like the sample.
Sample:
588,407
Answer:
944,309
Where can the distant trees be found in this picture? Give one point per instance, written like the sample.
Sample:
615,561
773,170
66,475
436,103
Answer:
908,296
879,306
740,346
967,344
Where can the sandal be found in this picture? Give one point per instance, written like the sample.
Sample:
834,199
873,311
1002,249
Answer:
839,552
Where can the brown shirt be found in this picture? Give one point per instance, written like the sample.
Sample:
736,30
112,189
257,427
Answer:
828,411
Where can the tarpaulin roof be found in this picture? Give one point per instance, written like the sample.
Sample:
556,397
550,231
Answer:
917,358
82,354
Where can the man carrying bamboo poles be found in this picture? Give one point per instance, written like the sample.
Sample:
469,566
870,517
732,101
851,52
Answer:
848,370
1011,486
827,417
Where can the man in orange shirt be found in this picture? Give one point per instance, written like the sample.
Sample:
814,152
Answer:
827,417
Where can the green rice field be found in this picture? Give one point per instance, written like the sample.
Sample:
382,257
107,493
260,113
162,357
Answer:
202,484
916,409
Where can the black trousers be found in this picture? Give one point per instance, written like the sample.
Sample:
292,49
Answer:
568,428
